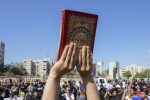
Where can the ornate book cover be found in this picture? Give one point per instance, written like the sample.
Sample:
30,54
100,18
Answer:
78,27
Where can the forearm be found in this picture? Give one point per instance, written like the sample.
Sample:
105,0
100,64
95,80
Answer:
106,95
91,89
52,88
123,96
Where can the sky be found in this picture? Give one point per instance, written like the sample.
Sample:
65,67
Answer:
30,29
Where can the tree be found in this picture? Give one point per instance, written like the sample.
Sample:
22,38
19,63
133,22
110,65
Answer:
14,69
72,74
127,74
144,74
1,68
139,75
147,73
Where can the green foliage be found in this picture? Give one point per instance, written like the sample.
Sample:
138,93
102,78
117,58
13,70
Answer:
1,68
14,69
127,74
144,74
72,74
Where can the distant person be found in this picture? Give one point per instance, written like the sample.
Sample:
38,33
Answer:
68,95
40,89
14,90
129,93
82,91
112,95
145,94
120,92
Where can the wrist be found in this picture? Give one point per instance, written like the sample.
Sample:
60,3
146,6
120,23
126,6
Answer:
87,78
54,75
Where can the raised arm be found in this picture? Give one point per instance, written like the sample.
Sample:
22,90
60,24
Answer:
124,94
84,67
63,66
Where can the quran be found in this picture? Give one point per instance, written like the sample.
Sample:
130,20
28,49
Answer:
78,27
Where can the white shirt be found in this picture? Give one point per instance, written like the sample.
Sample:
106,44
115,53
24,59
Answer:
127,98
109,86
69,96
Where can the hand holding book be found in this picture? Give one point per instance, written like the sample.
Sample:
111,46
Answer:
77,27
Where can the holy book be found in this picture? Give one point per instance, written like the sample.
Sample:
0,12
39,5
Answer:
78,27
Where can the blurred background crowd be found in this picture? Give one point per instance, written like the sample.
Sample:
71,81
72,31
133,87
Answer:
75,90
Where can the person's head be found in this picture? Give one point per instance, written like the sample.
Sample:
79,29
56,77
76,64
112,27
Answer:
133,80
144,93
35,92
118,88
142,80
102,91
14,84
67,89
74,82
114,92
39,83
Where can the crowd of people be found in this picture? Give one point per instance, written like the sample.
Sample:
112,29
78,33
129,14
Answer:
13,89
126,90
72,90
114,90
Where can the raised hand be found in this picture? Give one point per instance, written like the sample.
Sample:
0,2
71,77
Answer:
64,65
84,64
67,61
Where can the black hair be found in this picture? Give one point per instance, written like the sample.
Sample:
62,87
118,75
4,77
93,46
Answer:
146,91
114,89
35,90
133,88
66,87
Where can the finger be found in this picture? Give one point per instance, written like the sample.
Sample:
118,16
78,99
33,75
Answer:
79,60
88,58
64,55
84,50
77,55
73,57
68,58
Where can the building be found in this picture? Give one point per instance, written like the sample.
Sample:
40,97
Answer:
122,71
39,67
99,66
114,70
29,66
42,67
2,52
133,69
